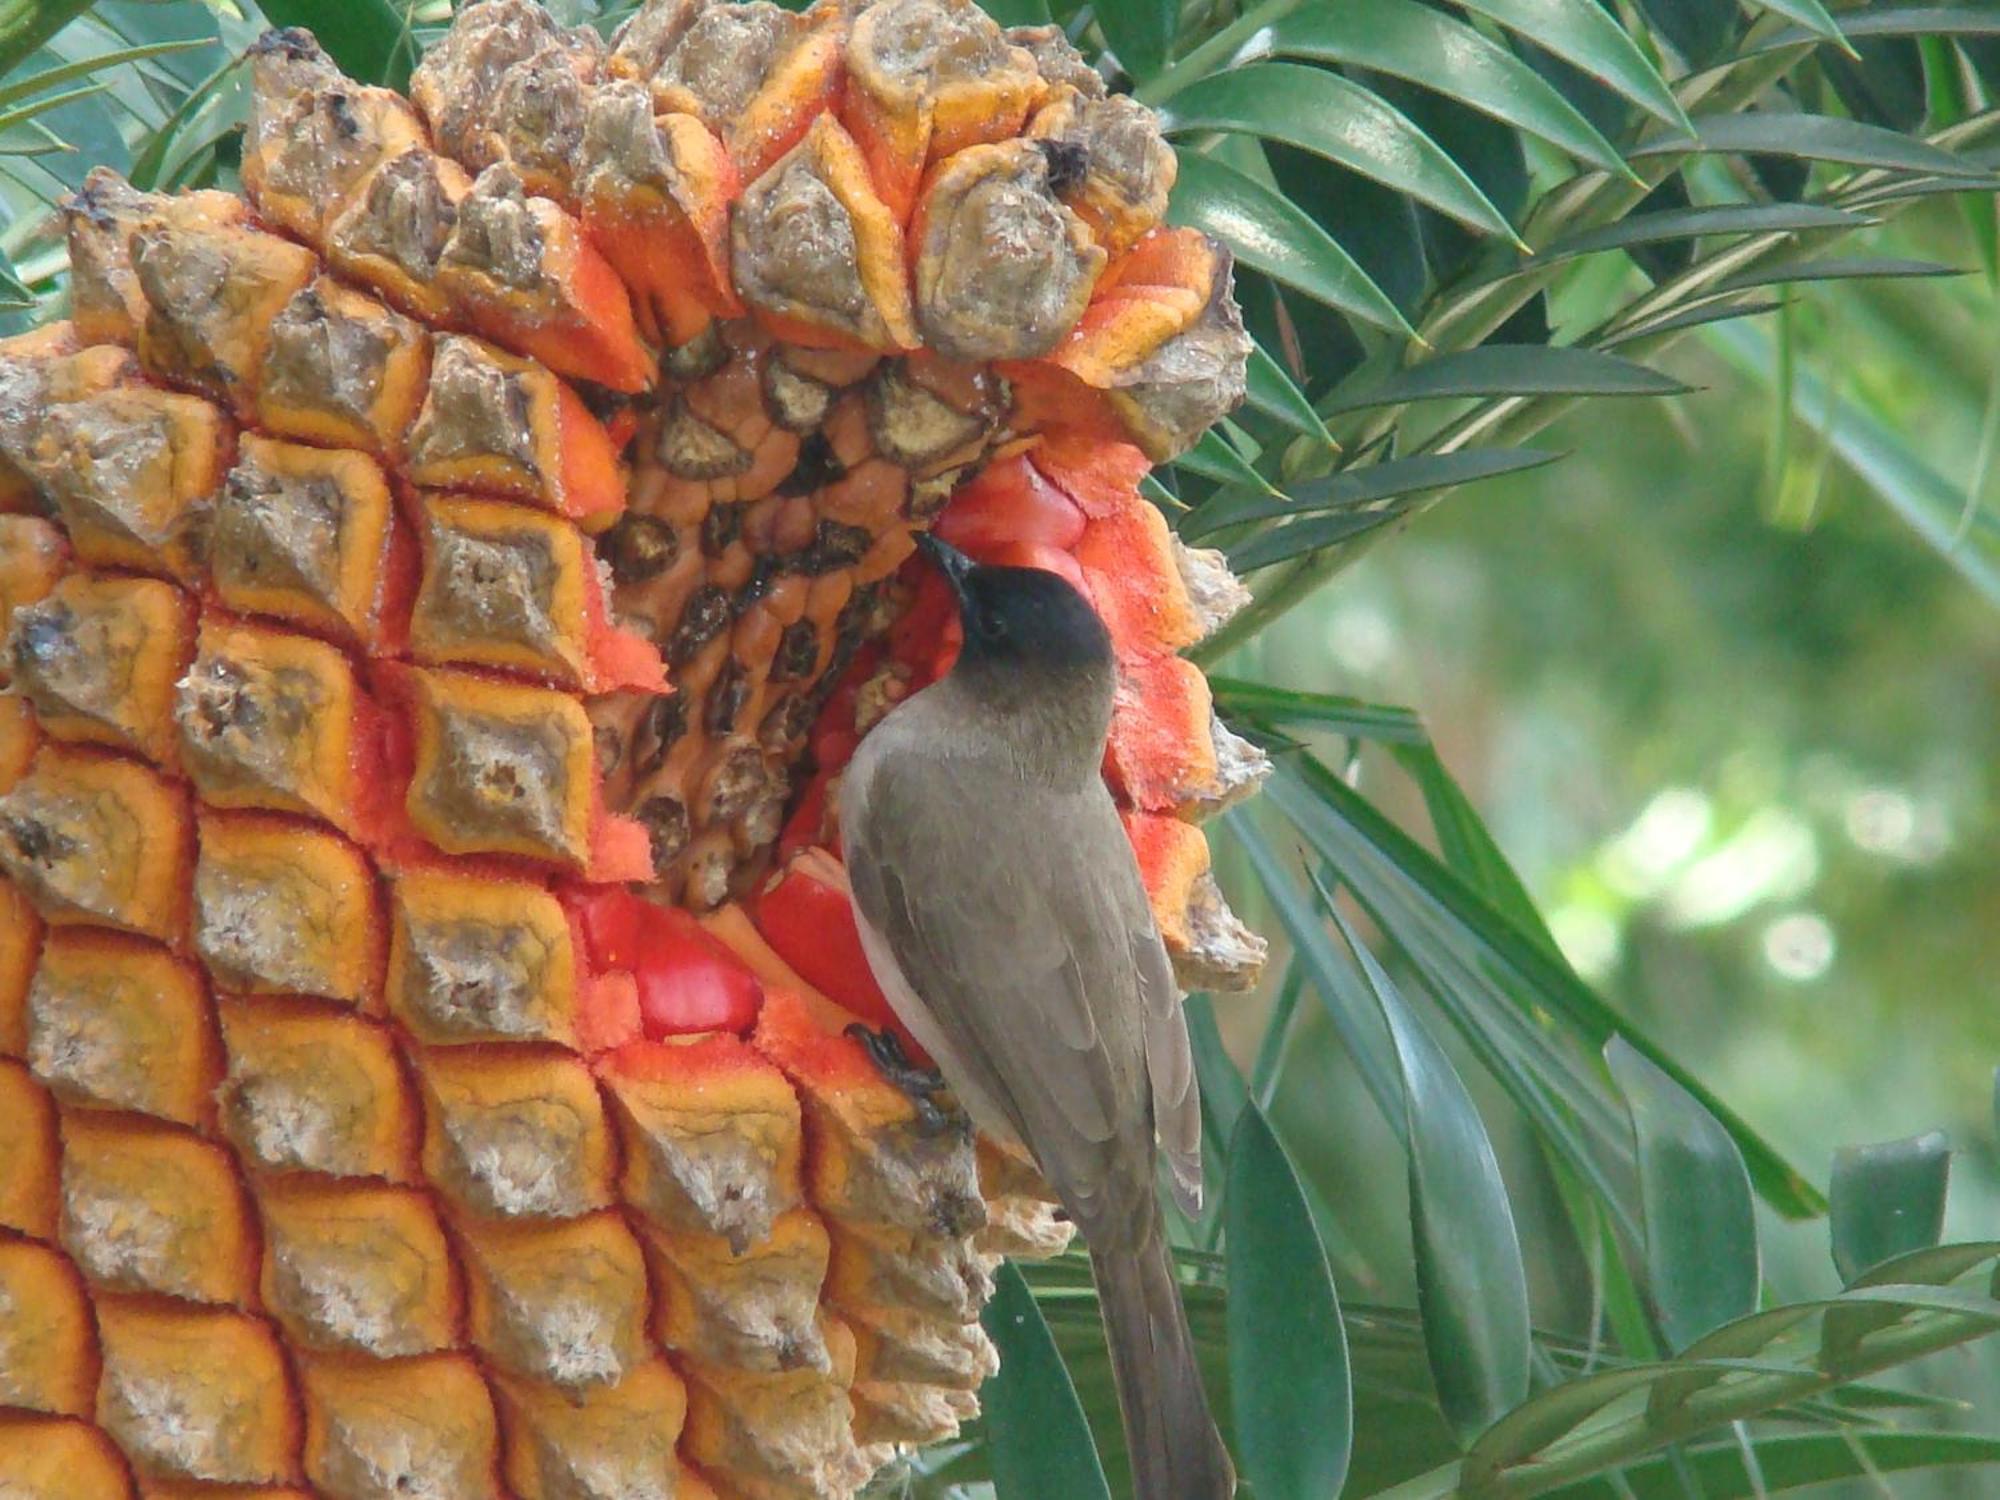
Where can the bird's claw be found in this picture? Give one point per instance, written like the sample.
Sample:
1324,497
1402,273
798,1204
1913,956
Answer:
937,1111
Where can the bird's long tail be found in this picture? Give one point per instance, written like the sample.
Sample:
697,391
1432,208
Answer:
1177,1454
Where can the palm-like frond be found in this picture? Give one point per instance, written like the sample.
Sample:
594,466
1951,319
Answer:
1451,222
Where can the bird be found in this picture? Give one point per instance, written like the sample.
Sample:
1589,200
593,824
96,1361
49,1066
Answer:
1002,913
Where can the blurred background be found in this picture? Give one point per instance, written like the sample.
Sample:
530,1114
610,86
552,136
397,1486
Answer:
1733,710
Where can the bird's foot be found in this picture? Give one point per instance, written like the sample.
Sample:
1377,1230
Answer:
937,1110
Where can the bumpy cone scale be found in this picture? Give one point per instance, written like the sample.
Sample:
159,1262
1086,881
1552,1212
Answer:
440,594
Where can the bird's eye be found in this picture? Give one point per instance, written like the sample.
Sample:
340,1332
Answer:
991,625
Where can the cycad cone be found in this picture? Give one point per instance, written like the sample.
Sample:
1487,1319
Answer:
507,503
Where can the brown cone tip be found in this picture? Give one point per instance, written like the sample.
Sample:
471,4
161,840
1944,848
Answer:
439,592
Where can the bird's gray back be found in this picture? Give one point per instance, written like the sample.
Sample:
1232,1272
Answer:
1015,912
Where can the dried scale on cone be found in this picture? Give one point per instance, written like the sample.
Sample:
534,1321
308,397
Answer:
440,592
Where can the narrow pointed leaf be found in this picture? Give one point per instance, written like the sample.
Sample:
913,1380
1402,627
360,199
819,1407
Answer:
1472,1288
1410,40
1467,846
1835,268
1277,544
1288,1376
1701,1226
1369,485
1721,310
1813,138
1355,1018
1213,458
1808,13
1586,35
1672,224
1039,1442
1322,112
1269,233
1269,389
1973,20
1888,1200
1271,705
1511,370
35,83
1403,884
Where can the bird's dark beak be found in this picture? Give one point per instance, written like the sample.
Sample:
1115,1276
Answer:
951,562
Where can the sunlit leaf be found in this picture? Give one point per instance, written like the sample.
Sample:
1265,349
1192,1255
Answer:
1410,40
1585,34
1322,112
1268,232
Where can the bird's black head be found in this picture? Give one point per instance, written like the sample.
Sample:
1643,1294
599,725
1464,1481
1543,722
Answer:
1027,621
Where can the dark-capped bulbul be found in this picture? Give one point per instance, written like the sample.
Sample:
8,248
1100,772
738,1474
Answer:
1003,915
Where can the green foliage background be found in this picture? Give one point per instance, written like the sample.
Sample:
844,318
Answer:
1632,847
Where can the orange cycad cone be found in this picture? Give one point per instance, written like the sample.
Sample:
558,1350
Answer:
439,595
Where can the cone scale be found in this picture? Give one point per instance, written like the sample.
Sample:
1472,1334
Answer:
440,591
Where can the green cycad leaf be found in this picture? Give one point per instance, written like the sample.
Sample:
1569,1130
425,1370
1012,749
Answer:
1270,390
1834,268
1040,1443
1288,1375
1510,370
1887,1200
1267,704
34,83
1792,1461
1812,138
1696,223
1213,458
1296,538
1267,231
1355,1018
1977,19
1809,14
1410,40
26,24
1701,1227
1584,33
1367,487
1471,1285
1140,32
1409,891
369,39
1321,112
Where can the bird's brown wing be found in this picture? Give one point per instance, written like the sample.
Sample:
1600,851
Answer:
1034,956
